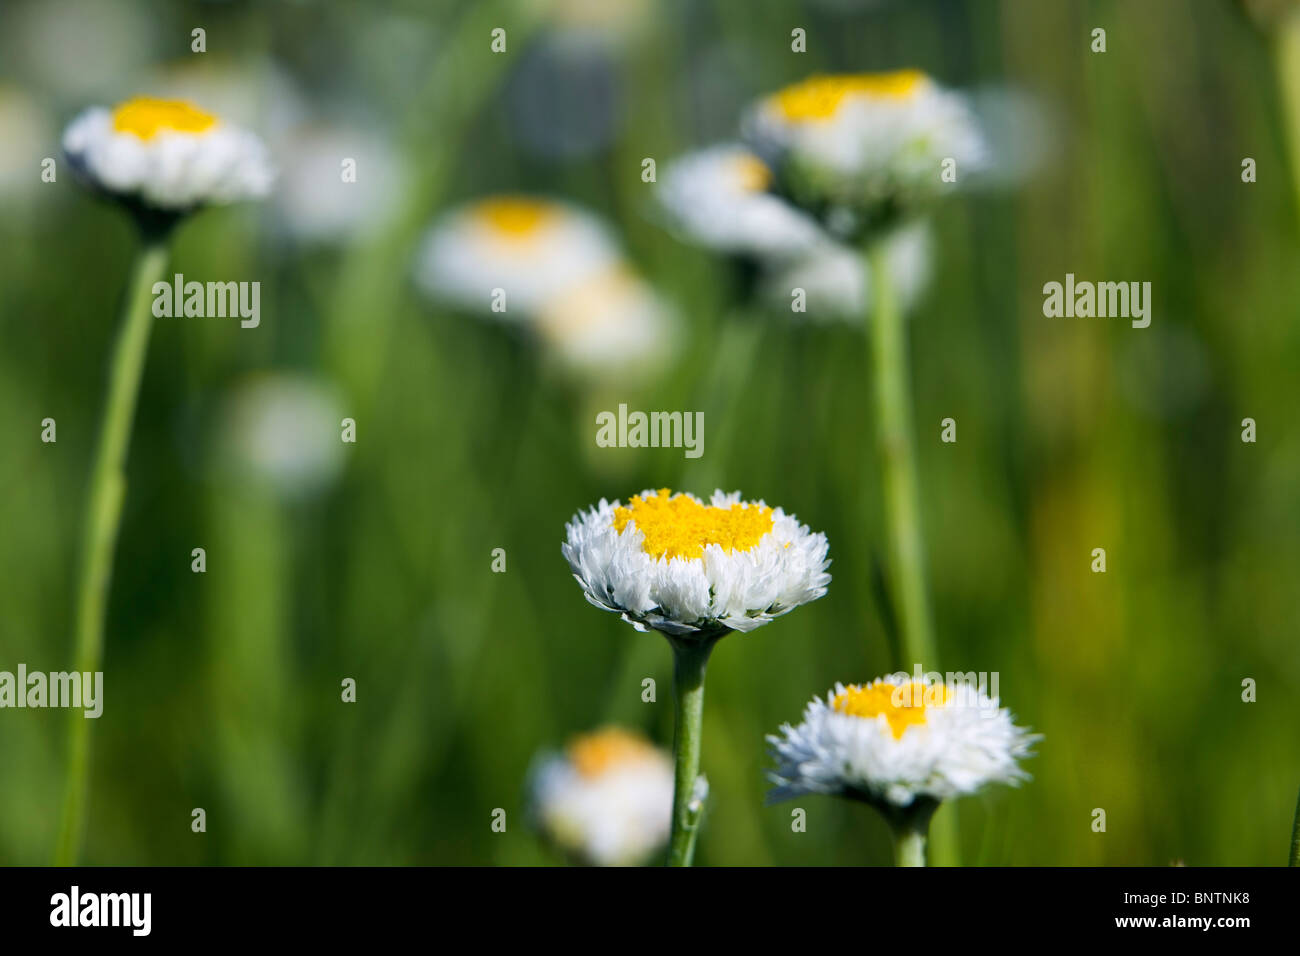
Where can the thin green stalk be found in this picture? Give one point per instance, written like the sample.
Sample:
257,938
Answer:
898,463
690,658
902,508
1295,837
103,516
910,827
909,848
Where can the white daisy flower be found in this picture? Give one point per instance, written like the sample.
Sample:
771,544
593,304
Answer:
718,197
671,563
837,281
283,432
531,249
612,326
607,800
167,155
896,740
855,145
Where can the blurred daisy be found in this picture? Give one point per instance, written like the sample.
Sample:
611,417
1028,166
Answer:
531,249
606,800
610,327
167,155
895,740
858,147
317,202
837,283
671,563
282,432
695,572
719,198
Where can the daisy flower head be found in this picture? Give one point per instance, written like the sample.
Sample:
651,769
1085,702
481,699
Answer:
167,156
672,563
720,198
861,148
610,327
897,740
606,800
523,248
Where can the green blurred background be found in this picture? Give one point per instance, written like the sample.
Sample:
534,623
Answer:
222,689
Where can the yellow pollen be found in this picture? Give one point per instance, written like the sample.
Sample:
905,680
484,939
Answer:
676,526
820,97
146,117
517,217
902,704
595,753
751,173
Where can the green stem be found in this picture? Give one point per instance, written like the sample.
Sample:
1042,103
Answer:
910,827
898,462
690,658
909,848
103,515
1295,837
894,428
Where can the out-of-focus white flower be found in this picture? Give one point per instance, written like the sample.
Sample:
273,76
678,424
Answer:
317,202
167,154
895,740
531,249
610,327
837,280
859,146
607,800
718,197
282,432
671,563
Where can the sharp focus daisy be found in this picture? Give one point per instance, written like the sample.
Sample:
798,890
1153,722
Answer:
161,159
530,249
837,284
607,800
669,562
167,155
696,572
720,198
859,146
610,327
901,745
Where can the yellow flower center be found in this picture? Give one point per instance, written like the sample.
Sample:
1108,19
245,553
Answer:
146,117
676,526
516,217
596,753
820,97
902,704
752,174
